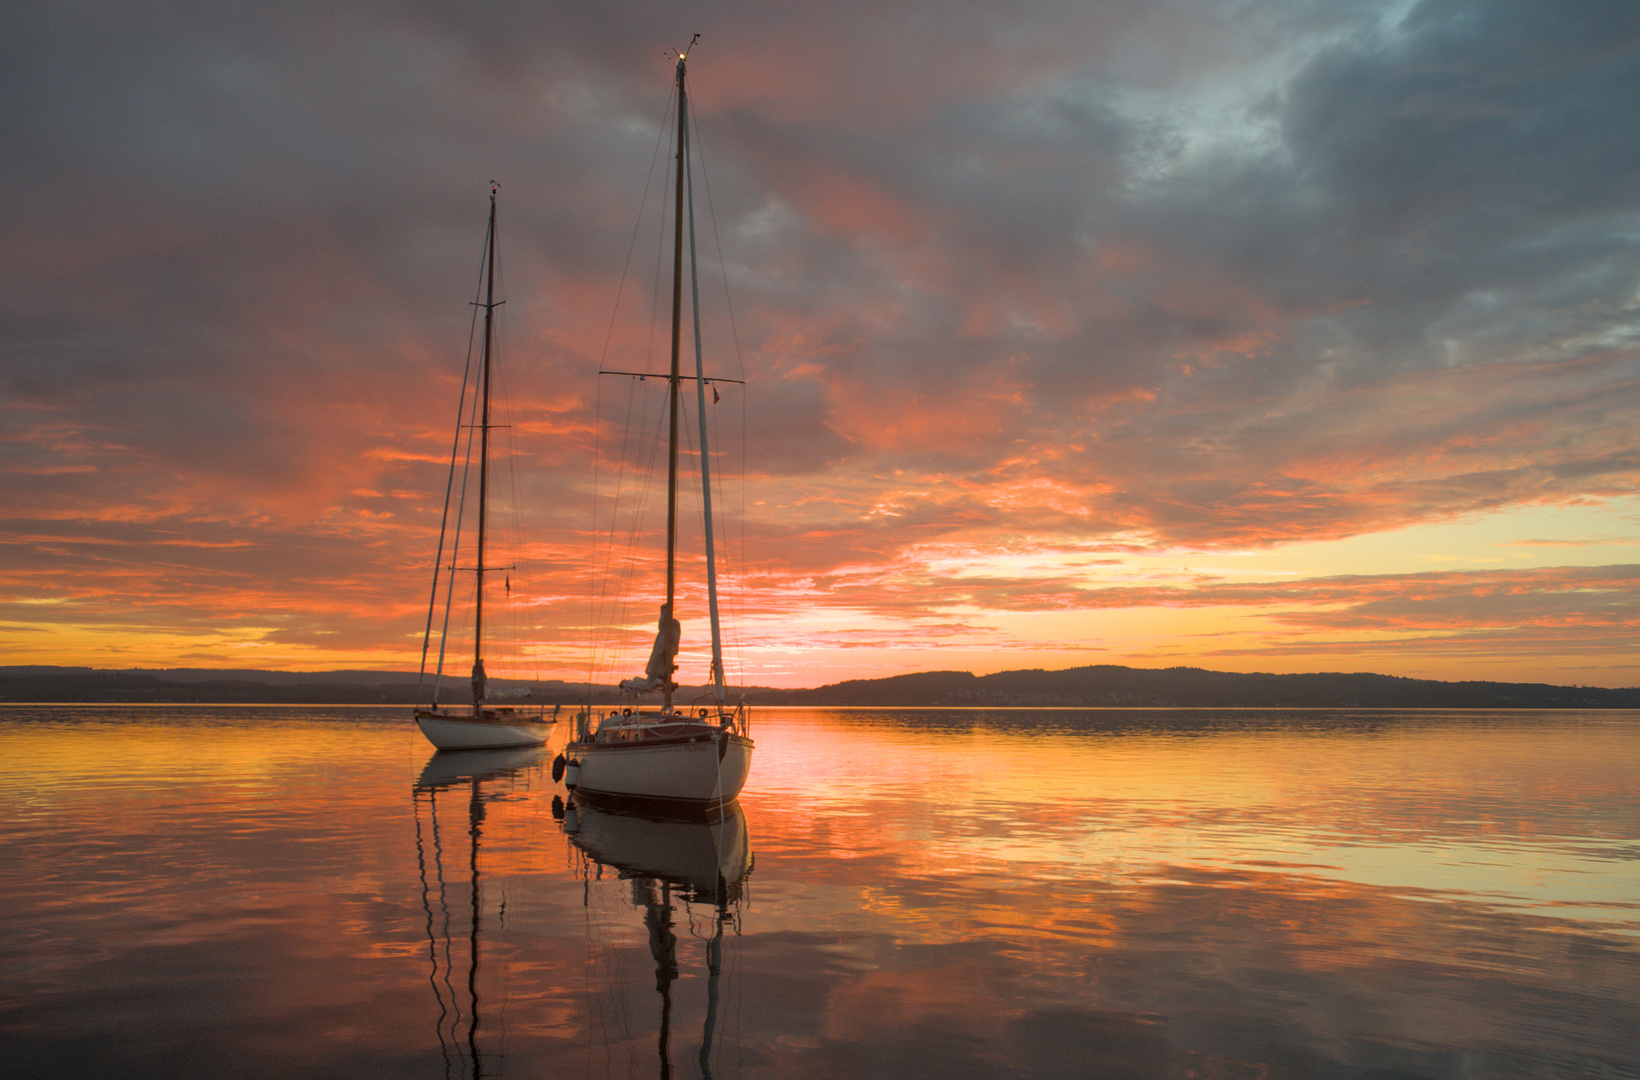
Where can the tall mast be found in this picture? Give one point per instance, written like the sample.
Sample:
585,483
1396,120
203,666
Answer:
484,464
668,612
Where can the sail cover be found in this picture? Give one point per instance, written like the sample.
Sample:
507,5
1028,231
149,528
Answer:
663,658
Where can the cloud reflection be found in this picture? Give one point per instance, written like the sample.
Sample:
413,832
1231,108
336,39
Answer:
942,892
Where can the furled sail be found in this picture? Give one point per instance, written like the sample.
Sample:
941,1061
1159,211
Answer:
663,658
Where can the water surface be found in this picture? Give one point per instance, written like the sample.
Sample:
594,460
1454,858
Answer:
233,891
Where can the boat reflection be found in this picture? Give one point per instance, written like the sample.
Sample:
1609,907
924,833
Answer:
476,778
670,861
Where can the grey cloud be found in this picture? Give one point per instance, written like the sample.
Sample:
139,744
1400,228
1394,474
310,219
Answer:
222,222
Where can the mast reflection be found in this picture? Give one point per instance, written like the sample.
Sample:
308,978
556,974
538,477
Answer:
668,861
486,775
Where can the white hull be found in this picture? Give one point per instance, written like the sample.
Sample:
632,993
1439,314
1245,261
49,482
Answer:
678,772
458,731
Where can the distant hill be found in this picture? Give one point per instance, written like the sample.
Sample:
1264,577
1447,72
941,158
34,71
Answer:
1182,687
1087,687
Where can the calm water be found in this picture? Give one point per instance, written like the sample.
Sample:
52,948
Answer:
261,892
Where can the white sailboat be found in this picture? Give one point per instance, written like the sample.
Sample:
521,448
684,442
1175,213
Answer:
694,754
486,724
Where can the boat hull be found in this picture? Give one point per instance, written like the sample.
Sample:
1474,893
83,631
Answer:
693,772
456,731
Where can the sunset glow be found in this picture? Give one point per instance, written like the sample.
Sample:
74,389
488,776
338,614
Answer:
1281,337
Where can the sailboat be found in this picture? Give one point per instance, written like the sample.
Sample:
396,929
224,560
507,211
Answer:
487,724
694,754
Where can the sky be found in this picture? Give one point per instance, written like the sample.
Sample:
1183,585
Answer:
1254,335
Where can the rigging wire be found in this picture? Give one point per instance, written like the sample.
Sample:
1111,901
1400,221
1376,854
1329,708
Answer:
602,634
717,238
736,595
523,640
632,448
635,531
637,225
449,484
455,543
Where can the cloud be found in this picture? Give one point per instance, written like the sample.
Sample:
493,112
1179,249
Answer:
1131,277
